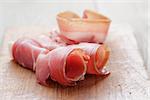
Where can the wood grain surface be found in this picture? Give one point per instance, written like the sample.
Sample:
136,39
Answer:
128,79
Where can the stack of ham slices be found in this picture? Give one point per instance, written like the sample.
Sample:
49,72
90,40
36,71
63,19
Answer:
68,55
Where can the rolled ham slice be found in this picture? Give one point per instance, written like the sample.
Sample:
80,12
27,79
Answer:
65,65
25,52
93,27
99,55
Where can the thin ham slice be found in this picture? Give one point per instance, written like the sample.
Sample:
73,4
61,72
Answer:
93,27
25,52
65,65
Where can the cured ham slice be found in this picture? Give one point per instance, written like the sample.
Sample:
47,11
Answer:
99,55
93,27
65,65
25,52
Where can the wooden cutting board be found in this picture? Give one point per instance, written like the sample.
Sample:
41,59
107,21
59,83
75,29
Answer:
127,81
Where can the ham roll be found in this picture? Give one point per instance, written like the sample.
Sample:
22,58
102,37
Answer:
99,55
92,27
25,52
65,65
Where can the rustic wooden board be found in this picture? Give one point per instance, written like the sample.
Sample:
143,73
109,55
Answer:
128,79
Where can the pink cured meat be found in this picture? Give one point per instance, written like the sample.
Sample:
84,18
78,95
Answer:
92,27
99,55
65,65
61,64
25,52
54,65
93,50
